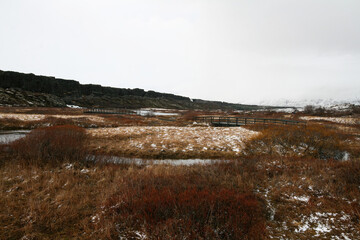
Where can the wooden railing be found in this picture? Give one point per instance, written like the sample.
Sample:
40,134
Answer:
110,111
240,121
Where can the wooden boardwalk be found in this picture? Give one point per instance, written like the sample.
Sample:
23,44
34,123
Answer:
240,121
111,111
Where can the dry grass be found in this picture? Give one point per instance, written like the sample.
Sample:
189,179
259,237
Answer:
288,186
185,202
170,142
311,198
50,203
316,141
301,199
111,201
35,119
41,110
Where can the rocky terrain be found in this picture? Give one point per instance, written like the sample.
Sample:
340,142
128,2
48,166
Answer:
20,98
31,90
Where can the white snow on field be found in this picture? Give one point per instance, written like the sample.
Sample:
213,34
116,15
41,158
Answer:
301,198
322,222
91,118
38,117
345,120
186,139
74,106
22,117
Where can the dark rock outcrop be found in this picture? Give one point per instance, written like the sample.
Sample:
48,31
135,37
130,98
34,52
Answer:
59,92
21,98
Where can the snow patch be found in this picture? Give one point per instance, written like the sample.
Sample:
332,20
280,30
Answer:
301,198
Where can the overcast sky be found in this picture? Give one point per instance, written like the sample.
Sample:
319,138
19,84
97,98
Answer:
230,50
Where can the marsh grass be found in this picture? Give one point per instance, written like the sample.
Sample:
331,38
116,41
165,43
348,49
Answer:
222,201
305,141
170,142
47,192
52,145
168,203
109,201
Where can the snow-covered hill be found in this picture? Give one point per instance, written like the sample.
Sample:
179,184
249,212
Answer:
327,103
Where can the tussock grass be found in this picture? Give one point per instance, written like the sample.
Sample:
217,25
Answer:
170,142
50,202
310,141
303,194
289,185
10,121
169,203
109,201
236,200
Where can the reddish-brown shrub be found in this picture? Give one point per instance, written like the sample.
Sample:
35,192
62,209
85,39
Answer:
191,213
190,115
51,145
313,140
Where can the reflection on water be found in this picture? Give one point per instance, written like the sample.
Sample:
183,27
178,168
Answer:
154,113
10,136
140,161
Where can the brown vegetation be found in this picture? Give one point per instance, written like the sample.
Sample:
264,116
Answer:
170,142
311,141
221,201
293,182
109,201
51,145
191,203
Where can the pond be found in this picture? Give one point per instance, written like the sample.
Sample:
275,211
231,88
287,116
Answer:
11,136
140,161
154,113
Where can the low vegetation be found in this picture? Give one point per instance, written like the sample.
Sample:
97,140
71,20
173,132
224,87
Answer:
187,202
284,182
315,141
50,146
170,142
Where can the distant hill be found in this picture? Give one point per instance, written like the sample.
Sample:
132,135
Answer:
300,103
20,88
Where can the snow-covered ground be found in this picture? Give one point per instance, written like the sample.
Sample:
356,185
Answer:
22,117
327,103
344,120
300,207
185,139
74,106
38,117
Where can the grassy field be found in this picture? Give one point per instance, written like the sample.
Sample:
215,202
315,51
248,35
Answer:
170,141
280,182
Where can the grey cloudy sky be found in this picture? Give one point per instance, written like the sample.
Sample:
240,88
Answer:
231,50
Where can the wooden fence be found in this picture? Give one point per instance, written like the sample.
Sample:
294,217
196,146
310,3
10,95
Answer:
240,121
111,111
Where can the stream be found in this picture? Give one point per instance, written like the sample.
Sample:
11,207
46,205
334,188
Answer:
141,161
11,136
